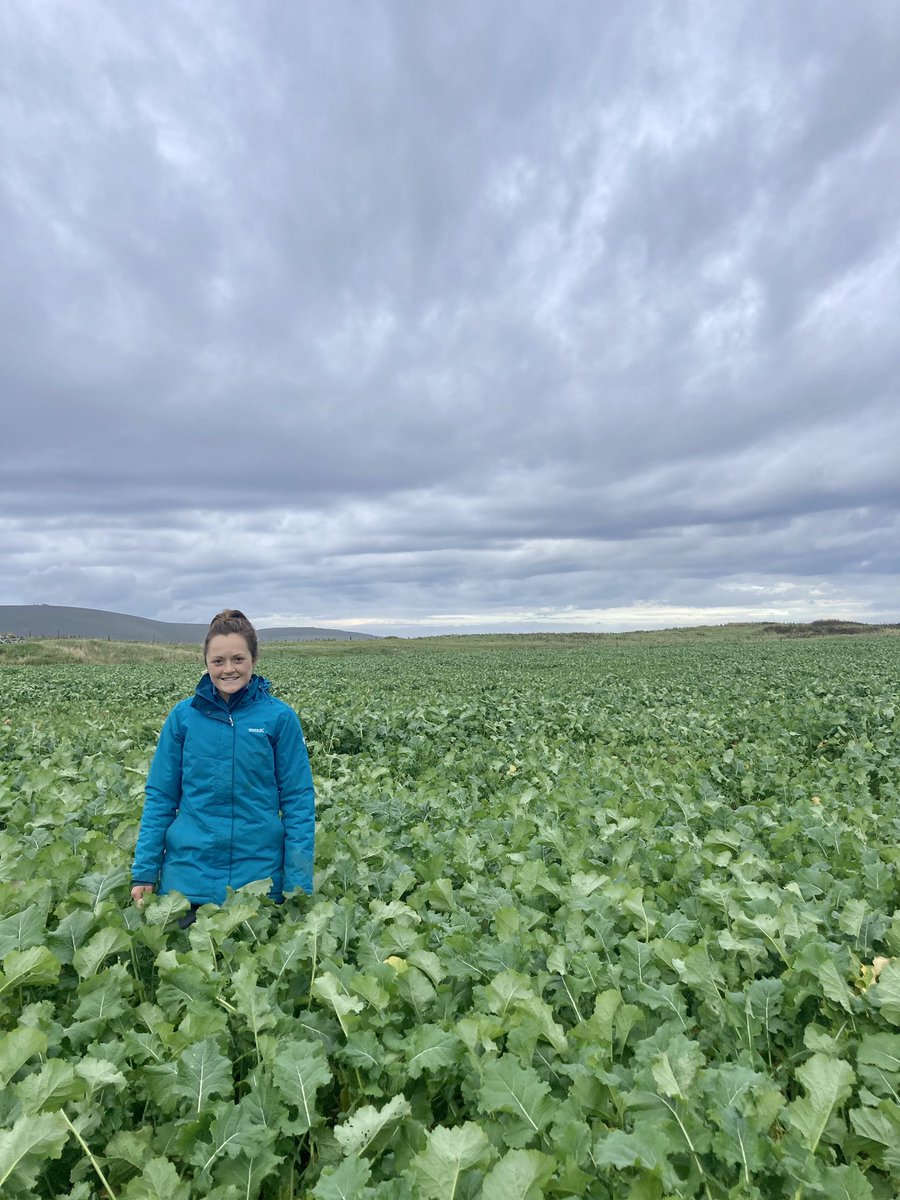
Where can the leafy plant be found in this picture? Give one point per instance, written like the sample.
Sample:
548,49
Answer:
601,920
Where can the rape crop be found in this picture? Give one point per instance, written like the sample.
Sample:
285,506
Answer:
604,922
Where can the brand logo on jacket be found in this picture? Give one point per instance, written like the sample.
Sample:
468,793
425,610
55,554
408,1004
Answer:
250,729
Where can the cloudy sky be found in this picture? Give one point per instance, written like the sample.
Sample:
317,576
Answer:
410,318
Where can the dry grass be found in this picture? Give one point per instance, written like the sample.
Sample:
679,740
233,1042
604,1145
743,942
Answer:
37,652
54,651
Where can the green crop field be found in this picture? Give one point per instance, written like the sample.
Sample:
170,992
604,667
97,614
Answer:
593,918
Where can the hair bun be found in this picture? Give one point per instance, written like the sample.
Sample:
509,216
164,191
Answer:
228,614
232,620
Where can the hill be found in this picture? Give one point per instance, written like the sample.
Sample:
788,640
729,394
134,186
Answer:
60,621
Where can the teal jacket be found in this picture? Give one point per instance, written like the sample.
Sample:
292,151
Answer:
229,798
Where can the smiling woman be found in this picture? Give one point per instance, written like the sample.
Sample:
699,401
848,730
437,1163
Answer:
229,664
229,796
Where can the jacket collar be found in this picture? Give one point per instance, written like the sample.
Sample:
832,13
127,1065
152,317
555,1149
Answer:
206,697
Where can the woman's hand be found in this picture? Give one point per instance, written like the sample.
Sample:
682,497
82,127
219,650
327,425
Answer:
139,891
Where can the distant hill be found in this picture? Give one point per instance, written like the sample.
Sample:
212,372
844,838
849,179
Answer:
59,621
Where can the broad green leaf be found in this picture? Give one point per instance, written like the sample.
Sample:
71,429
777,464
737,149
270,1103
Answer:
853,918
733,1086
161,910
300,1069
665,1077
819,962
834,985
481,1031
203,1021
159,1084
363,1050
519,1175
158,1181
357,1134
764,1001
428,963
881,1124
570,1134
676,1069
447,1155
88,959
145,1047
131,1148
17,1047
665,998
815,1038
23,968
99,885
283,959
346,1182
845,1183
886,992
232,1133
49,1088
71,933
329,989
202,1072
698,971
182,987
556,960
371,990
253,1003
646,1146
880,1050
505,990
508,1087
22,930
430,1049
534,1021
599,1026
104,997
99,1073
262,1099
416,988
25,1148
739,1143
247,1171
585,883
827,1083
628,1017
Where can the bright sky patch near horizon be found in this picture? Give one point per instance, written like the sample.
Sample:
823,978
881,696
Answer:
415,319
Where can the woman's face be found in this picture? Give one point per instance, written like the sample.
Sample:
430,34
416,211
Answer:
229,663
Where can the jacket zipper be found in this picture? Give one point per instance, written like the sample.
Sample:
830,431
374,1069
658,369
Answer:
231,841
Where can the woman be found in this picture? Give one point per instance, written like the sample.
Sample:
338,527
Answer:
229,796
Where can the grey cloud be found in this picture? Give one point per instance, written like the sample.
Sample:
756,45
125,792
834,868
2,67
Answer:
449,289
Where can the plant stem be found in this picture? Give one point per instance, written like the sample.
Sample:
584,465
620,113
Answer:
86,1148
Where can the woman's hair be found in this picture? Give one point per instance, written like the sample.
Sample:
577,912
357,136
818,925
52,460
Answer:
232,620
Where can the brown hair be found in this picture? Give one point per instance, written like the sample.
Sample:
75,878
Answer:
232,620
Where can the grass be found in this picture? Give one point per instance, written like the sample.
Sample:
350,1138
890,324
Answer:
44,652
94,651
734,632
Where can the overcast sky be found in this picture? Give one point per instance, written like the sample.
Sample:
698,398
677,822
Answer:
408,317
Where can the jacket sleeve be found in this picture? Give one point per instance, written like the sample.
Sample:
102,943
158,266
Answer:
297,800
161,800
